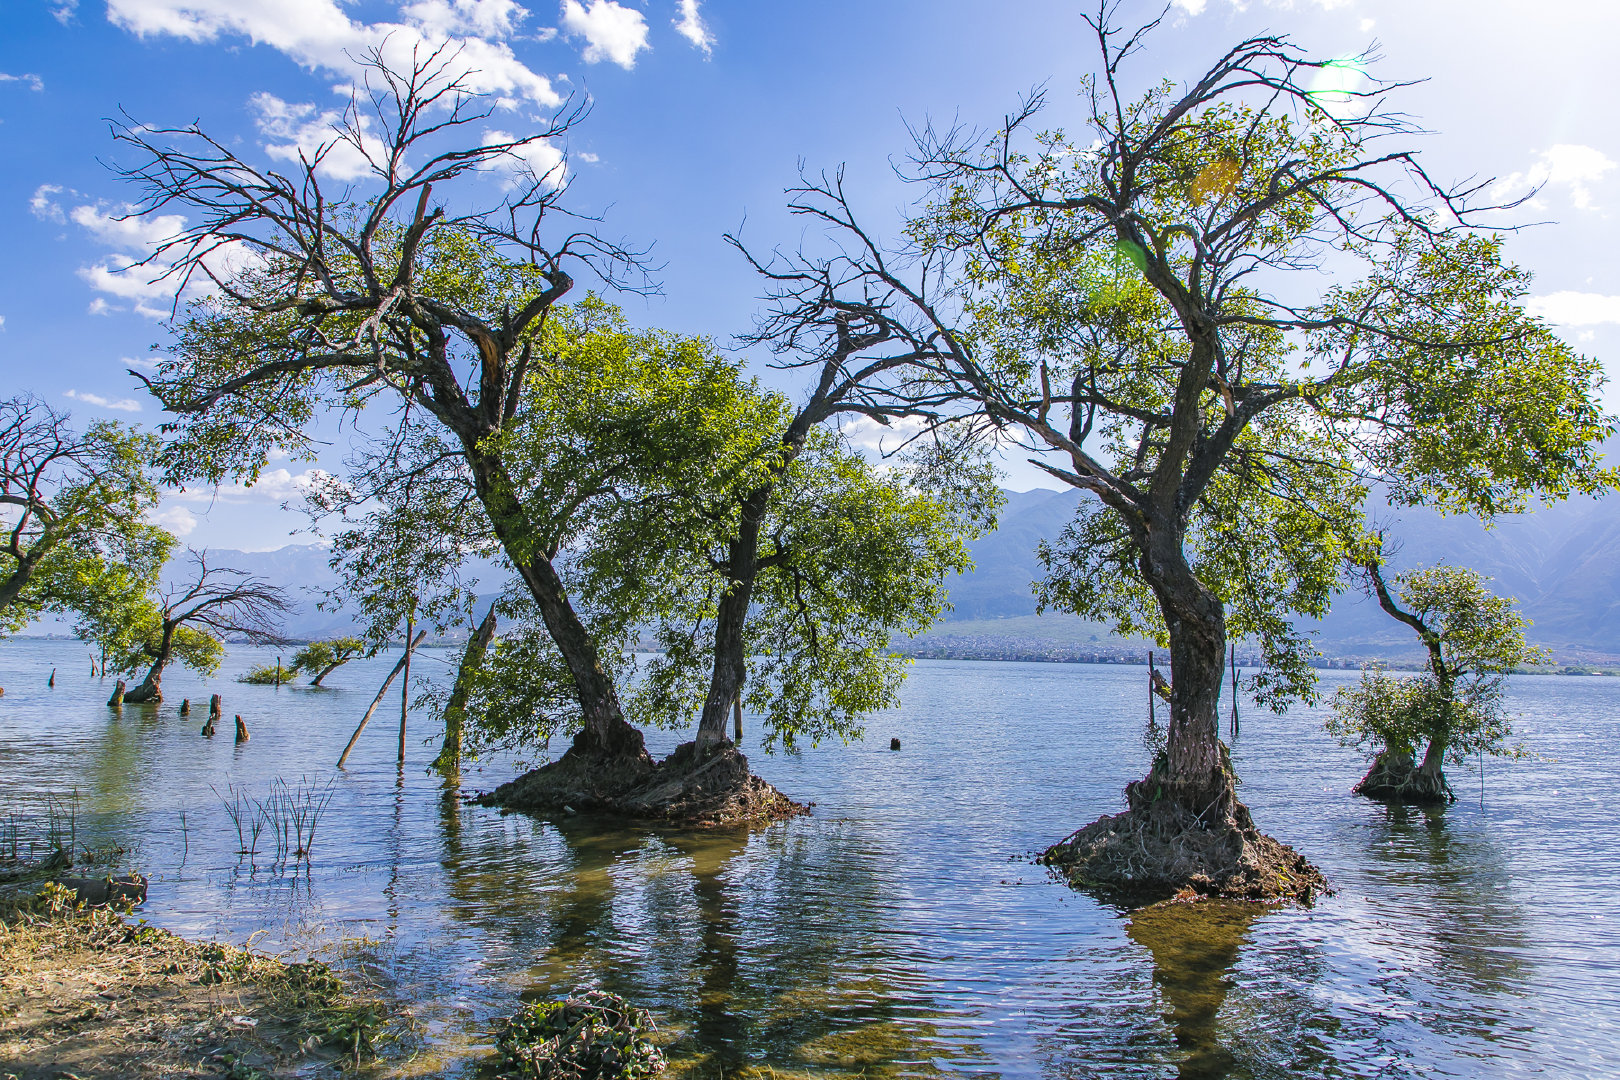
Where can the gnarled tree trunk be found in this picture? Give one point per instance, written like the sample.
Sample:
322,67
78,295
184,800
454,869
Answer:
1185,831
730,643
605,732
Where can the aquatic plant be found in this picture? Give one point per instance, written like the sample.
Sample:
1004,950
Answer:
594,1035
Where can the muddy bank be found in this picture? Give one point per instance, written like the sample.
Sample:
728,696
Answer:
708,788
91,993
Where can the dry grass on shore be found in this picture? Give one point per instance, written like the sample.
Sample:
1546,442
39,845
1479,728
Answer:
87,994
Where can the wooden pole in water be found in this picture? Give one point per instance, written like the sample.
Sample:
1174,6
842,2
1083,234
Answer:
278,671
405,689
378,699
1151,719
736,717
52,681
1234,691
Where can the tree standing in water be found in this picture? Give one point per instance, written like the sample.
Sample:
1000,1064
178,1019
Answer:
1473,639
188,624
1138,307
321,658
396,299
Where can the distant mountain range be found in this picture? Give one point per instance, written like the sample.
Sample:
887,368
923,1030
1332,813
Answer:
1562,562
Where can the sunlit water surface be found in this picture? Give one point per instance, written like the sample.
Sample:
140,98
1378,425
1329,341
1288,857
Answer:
901,929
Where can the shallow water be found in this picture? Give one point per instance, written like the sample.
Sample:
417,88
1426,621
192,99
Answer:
902,929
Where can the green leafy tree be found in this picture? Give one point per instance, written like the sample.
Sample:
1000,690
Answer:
1474,639
1139,306
848,556
398,299
321,658
74,507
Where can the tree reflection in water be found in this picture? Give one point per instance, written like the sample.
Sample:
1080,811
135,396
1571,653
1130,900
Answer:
758,952
1194,948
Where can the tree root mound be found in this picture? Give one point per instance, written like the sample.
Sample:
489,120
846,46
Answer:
1160,850
713,787
1394,778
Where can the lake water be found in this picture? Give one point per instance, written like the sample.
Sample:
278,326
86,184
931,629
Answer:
902,929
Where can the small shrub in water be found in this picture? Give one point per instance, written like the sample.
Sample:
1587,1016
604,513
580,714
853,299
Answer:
594,1035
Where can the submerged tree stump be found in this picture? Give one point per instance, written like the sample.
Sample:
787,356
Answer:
185,706
241,730
216,708
117,698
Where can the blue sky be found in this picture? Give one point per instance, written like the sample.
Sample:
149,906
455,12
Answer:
701,111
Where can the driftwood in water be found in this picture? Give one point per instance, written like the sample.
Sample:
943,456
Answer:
409,648
216,708
117,698
185,706
241,729
894,744
208,728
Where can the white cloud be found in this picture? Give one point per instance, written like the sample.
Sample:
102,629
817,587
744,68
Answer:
148,363
589,158
176,519
305,130
317,33
64,10
1571,167
120,276
2,322
34,81
866,433
483,18
1368,24
691,26
121,227
117,404
132,272
611,32
273,485
1191,7
1576,308
43,205
539,160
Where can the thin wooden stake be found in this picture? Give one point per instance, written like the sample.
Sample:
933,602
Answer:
405,688
1234,691
1151,719
736,717
378,699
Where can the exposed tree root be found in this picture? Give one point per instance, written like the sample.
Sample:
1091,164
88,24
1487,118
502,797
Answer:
686,788
1394,778
1160,849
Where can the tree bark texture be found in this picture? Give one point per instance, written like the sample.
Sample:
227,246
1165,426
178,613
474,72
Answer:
731,620
1195,774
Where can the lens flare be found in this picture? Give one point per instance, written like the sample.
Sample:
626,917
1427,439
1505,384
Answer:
1335,87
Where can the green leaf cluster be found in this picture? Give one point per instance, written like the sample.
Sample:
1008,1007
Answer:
1480,639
